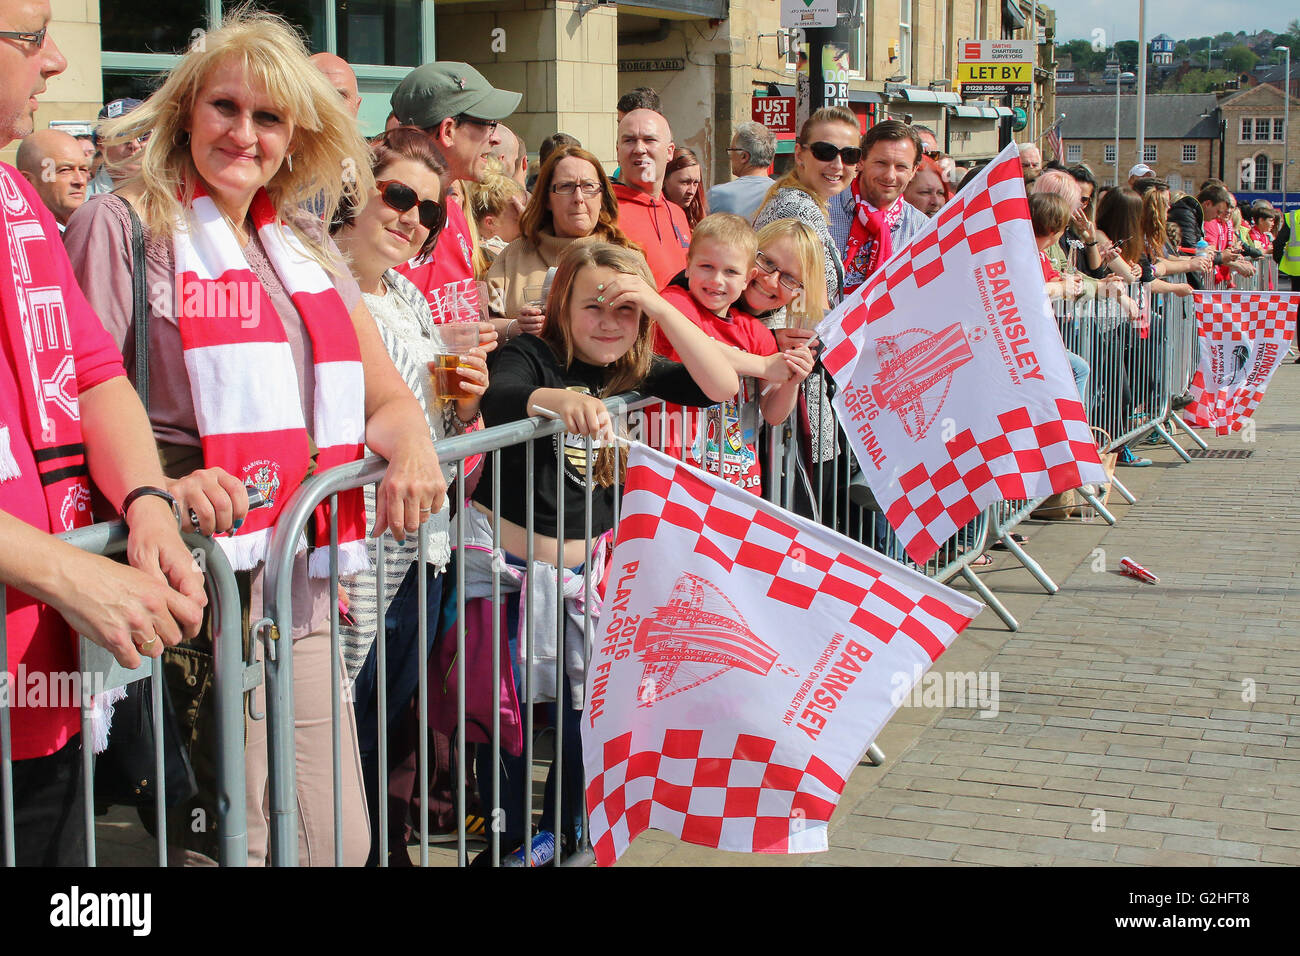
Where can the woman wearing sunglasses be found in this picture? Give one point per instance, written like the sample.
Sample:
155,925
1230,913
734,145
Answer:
401,220
826,156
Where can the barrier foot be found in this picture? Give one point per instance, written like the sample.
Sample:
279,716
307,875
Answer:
1181,426
583,857
876,755
1032,566
1093,500
990,599
1173,444
1119,486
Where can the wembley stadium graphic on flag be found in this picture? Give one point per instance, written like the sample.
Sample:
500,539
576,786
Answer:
953,384
744,661
1244,336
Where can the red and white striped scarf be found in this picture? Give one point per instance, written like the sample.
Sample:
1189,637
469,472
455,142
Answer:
869,225
245,385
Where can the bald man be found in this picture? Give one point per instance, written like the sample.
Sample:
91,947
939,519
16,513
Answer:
56,166
341,77
512,155
645,145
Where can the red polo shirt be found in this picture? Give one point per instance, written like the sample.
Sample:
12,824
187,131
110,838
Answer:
659,226
446,275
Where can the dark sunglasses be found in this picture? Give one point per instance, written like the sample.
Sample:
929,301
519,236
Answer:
401,197
825,152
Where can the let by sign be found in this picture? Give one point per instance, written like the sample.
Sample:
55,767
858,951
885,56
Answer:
775,112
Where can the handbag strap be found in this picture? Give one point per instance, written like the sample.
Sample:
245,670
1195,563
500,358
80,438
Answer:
139,311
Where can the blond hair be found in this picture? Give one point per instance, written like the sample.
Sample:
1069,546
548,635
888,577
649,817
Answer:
811,258
330,159
726,229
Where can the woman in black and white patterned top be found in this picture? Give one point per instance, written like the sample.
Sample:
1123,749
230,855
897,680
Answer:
826,158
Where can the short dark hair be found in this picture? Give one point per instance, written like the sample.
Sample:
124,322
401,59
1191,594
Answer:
1211,193
642,98
1083,174
552,143
1145,184
400,142
892,131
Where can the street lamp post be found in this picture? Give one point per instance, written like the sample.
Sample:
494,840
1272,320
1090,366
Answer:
1142,82
1286,123
1125,75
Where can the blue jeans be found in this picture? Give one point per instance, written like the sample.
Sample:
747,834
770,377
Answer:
516,775
1081,371
402,656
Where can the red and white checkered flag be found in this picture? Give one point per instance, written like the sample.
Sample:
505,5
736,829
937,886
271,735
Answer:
745,659
1244,336
953,384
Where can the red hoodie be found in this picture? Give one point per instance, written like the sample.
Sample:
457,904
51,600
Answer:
659,226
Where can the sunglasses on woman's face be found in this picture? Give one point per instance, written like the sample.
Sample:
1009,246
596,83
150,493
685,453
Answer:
401,197
825,152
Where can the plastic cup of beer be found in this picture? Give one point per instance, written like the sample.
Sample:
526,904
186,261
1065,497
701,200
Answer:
457,339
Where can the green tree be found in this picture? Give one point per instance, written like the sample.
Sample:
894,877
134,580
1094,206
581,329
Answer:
1181,51
1203,81
1127,50
1240,58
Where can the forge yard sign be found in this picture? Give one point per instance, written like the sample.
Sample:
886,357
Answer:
995,67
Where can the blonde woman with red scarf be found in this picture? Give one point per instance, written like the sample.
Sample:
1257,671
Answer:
264,363
870,220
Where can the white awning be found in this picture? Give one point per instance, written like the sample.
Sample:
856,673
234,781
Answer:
1005,111
974,112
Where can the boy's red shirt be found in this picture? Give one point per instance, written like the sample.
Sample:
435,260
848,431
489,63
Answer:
738,418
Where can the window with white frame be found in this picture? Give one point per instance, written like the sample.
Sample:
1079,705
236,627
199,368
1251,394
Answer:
1189,152
1277,177
1261,171
905,39
1109,156
1073,153
1148,152
1278,130
1247,128
1263,124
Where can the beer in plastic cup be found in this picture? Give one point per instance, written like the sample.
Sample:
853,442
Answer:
457,339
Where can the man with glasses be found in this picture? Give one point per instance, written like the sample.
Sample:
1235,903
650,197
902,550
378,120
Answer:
870,220
68,415
459,109
121,160
751,153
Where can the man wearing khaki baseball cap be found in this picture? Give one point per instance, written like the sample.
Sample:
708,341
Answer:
459,109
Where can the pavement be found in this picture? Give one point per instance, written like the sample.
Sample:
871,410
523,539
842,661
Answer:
1136,724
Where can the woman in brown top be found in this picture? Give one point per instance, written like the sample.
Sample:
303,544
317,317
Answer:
244,127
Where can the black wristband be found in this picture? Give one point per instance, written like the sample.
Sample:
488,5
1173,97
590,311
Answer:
144,490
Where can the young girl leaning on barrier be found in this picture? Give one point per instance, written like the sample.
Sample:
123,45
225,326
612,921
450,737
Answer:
595,343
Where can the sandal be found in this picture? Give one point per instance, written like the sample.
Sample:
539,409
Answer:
983,561
1016,536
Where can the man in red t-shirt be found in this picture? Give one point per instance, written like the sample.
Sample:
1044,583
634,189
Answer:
459,109
719,267
67,414
646,216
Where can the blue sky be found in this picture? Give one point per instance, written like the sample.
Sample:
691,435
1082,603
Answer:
1076,19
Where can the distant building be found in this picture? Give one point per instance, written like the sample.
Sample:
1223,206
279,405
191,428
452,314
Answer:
1181,143
1162,48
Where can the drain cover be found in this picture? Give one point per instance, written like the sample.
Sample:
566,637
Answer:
1221,453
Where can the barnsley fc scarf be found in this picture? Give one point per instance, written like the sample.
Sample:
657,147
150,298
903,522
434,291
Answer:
245,386
36,324
869,224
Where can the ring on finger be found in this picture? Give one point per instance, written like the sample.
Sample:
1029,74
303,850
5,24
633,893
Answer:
149,643
194,519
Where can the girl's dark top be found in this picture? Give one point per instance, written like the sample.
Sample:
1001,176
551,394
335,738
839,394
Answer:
524,365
